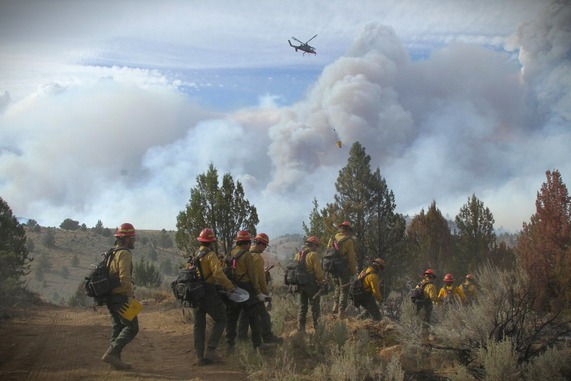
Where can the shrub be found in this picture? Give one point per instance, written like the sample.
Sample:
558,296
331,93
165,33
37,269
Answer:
552,365
394,370
504,311
499,360
496,337
462,374
145,274
349,362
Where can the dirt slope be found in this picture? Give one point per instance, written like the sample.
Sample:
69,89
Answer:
60,343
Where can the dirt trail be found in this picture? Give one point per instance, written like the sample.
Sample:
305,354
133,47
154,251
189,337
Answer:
59,343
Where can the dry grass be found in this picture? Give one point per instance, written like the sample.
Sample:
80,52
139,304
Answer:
457,349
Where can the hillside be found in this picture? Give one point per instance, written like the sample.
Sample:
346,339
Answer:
58,270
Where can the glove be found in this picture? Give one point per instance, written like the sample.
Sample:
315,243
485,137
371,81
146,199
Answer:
261,297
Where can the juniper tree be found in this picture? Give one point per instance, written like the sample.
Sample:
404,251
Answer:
224,209
363,198
316,222
544,245
165,240
69,224
14,261
431,240
146,275
475,236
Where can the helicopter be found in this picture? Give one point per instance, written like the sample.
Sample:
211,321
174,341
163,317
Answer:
303,46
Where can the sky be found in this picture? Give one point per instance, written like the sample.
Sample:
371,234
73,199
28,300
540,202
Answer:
109,110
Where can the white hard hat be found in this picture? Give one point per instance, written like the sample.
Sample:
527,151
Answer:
239,295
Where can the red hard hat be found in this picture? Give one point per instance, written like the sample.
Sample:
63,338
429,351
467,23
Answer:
263,238
429,272
448,278
469,276
313,239
125,230
344,223
379,262
206,235
242,236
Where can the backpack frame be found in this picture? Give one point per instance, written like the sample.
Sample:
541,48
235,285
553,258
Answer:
333,263
231,266
98,284
357,290
188,287
296,273
417,293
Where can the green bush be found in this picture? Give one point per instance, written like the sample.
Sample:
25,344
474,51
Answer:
552,365
499,360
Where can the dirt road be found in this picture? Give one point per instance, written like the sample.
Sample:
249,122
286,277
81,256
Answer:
60,343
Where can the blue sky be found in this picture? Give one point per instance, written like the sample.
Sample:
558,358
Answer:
109,110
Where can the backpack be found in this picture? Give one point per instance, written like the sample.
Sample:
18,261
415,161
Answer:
188,287
296,273
449,296
332,261
417,293
357,290
231,266
98,284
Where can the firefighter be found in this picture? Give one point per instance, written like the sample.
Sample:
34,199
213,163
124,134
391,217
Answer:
346,243
309,294
428,296
470,288
448,294
244,275
211,304
372,293
261,241
123,331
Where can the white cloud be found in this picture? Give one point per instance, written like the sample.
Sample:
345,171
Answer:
81,138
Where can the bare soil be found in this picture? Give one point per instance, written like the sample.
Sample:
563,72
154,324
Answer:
61,343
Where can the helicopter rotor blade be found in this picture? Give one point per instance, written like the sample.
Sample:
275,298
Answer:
297,40
311,38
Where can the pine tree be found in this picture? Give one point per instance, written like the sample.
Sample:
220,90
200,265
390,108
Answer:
316,226
14,260
98,228
233,212
364,200
431,240
544,245
224,209
385,229
475,237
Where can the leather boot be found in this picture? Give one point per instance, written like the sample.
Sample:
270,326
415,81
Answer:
114,360
213,355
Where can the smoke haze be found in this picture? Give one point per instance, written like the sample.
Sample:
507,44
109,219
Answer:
120,143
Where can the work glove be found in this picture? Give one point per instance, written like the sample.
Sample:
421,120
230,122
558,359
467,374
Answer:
261,297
